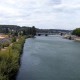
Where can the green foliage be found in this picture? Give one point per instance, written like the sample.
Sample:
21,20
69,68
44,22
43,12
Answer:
17,30
34,30
5,44
76,32
9,60
13,39
8,28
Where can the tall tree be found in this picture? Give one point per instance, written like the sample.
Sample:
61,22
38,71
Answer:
76,32
33,31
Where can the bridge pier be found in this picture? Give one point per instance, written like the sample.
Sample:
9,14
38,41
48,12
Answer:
46,34
39,34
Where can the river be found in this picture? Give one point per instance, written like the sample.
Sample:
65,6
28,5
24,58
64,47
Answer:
50,58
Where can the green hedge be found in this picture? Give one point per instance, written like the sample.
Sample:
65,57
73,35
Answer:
9,60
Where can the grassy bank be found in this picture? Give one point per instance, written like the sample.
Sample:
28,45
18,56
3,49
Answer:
9,60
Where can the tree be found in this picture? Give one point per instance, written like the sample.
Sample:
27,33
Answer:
33,31
13,39
6,30
76,32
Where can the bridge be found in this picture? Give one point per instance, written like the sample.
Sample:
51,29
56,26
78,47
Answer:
46,34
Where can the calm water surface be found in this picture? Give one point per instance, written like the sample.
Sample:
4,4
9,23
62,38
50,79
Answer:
50,58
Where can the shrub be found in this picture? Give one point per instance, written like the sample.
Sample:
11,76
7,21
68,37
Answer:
9,60
5,44
13,39
76,32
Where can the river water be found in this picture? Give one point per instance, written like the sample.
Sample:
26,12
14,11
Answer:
50,58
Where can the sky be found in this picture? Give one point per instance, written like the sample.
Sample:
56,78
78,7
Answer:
45,14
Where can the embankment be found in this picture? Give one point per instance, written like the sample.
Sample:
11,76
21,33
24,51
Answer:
9,60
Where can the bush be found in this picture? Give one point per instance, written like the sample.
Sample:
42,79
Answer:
76,32
9,60
5,44
13,39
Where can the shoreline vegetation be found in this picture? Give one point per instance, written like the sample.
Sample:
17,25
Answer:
12,39
10,58
71,37
75,35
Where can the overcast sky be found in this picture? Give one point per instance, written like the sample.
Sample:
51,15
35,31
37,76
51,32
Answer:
55,14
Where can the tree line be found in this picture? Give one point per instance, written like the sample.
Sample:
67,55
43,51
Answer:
17,30
76,32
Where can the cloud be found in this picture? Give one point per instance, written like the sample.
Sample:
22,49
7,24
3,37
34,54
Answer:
62,14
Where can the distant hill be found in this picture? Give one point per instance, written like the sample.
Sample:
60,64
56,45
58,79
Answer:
53,31
14,28
8,28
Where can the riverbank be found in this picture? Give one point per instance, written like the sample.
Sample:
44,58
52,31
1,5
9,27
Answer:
72,37
9,59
